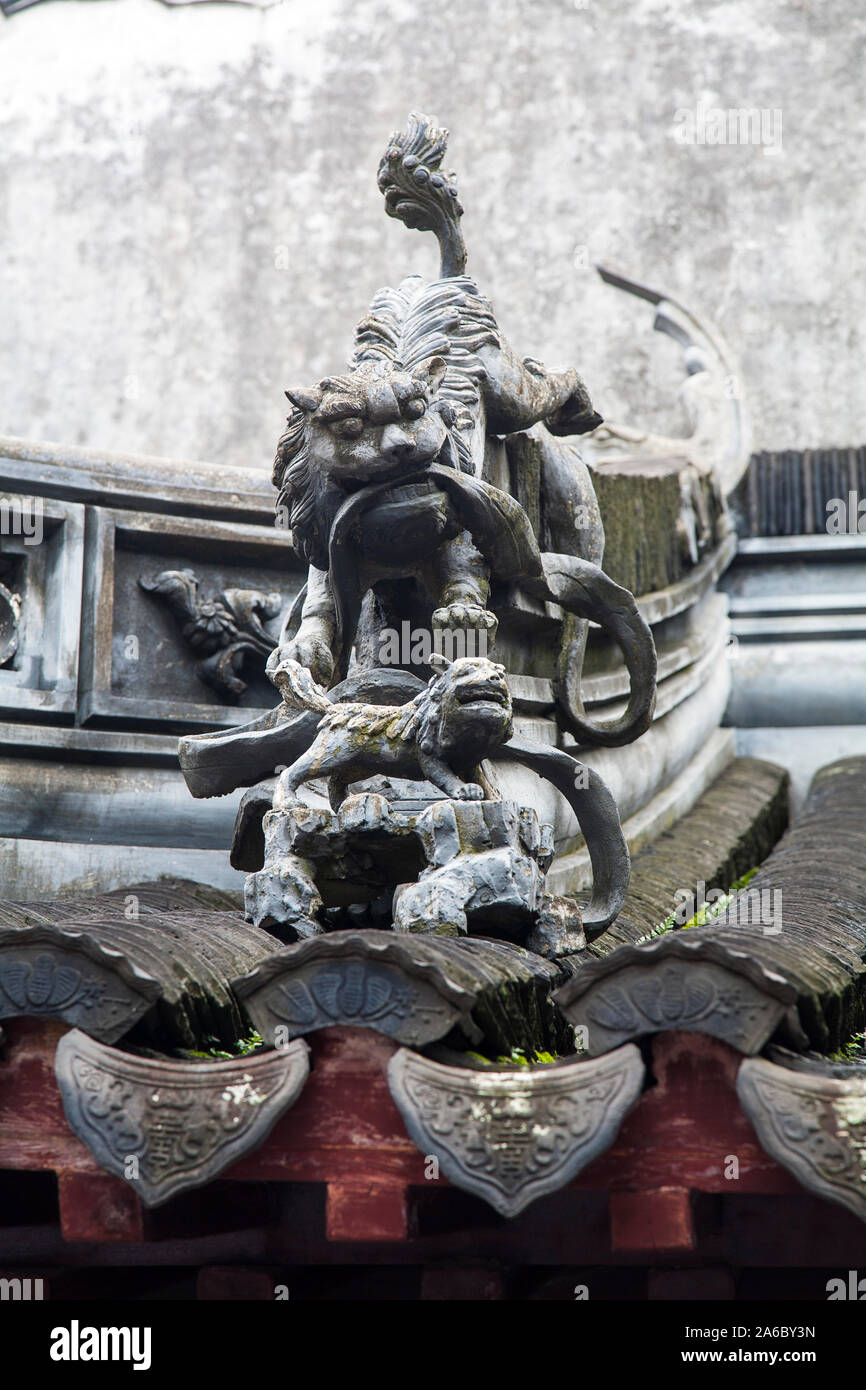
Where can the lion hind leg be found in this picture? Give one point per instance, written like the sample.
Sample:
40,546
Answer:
302,770
338,785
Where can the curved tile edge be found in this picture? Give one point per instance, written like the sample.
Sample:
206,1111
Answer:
168,1126
812,1124
512,1137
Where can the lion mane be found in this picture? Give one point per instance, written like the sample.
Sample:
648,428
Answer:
403,328
301,493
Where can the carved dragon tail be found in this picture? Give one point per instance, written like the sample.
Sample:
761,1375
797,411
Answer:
296,685
420,195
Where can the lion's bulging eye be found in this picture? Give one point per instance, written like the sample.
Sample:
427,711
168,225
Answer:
350,428
414,409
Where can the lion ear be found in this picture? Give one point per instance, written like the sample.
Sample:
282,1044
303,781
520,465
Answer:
432,372
306,400
438,661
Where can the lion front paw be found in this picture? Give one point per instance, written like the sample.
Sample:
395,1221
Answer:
470,791
309,650
465,617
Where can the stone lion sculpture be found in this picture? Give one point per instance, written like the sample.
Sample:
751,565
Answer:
382,474
403,501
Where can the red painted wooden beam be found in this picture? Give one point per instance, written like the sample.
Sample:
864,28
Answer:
99,1207
688,1130
660,1220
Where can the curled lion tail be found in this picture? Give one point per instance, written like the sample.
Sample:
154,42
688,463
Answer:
419,194
297,686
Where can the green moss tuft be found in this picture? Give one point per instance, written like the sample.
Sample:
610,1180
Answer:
242,1048
706,913
852,1051
518,1056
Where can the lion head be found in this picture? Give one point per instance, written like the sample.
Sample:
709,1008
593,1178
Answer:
465,712
375,424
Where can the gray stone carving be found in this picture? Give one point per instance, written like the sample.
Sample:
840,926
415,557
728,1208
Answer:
314,856
415,989
167,1126
86,984
488,863
431,377
393,527
449,867
136,665
388,478
461,717
683,981
41,569
813,1122
224,630
10,617
514,1136
368,980
117,797
104,969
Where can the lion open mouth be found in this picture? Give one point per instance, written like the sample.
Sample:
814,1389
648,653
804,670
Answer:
482,692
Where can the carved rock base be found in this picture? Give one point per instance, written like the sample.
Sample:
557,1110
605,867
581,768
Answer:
316,858
486,862
449,868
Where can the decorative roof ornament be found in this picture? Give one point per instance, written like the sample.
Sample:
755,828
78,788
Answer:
386,477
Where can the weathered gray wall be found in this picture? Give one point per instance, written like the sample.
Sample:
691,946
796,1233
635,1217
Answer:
189,217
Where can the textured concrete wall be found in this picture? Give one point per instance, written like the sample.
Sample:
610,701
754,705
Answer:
189,216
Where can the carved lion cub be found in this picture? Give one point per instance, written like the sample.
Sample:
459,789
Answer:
461,716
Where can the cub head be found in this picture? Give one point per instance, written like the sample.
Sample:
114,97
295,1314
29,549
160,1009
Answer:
465,711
